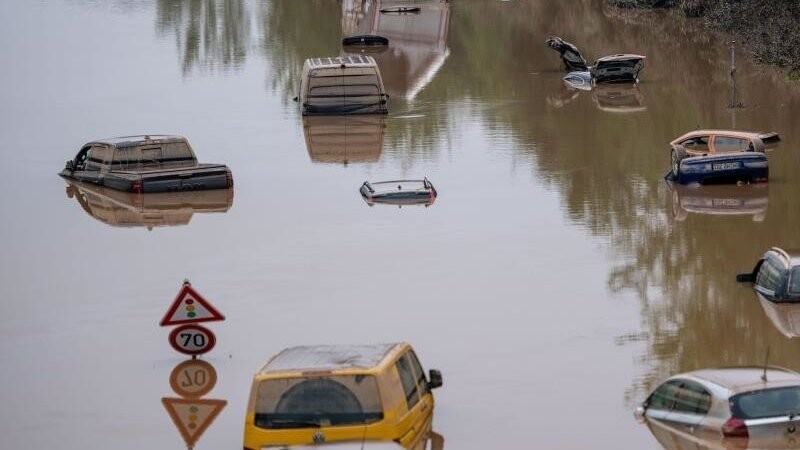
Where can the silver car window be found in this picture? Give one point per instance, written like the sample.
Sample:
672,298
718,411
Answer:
794,281
692,398
769,275
664,396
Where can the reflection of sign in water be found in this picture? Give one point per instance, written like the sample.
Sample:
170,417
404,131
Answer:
417,42
192,339
191,414
193,379
192,417
190,307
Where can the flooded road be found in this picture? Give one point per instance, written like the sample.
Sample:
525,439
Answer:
555,281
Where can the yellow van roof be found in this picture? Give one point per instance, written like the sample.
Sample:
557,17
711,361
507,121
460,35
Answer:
328,358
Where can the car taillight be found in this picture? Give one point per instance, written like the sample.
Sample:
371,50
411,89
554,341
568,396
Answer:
137,186
734,427
229,178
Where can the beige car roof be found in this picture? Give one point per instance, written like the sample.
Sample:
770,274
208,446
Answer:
743,379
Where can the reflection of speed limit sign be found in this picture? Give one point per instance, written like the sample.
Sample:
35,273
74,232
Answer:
192,339
193,379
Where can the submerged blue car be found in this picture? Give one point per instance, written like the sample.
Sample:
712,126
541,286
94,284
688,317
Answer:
720,156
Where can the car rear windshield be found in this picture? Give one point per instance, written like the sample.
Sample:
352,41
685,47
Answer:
767,403
303,402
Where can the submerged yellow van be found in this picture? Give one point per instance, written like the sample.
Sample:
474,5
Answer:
328,393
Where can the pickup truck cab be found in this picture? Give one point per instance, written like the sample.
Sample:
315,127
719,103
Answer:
148,163
333,393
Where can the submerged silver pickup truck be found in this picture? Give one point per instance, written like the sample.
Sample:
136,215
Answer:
145,164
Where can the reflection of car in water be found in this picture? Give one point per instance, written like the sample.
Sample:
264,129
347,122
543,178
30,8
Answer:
399,192
720,156
776,276
417,42
751,199
433,441
736,407
618,98
344,139
784,316
330,393
145,164
125,209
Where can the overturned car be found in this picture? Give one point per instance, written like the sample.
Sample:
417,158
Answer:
619,68
720,156
399,192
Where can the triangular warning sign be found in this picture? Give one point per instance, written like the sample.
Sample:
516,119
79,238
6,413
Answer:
192,417
190,307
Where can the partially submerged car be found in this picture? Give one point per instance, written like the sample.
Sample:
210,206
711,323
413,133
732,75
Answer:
619,68
720,156
717,405
330,393
148,163
342,85
126,209
720,200
776,276
399,192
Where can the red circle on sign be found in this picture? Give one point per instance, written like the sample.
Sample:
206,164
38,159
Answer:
192,339
193,379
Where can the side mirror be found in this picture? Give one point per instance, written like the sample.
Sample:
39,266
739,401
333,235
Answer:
639,413
435,379
745,278
70,165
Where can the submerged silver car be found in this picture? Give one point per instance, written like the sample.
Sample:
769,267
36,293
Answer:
760,404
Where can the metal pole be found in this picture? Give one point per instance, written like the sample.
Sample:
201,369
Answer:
733,75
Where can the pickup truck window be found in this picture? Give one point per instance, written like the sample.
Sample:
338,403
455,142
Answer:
317,401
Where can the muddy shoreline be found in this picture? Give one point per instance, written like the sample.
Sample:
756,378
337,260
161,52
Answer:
768,30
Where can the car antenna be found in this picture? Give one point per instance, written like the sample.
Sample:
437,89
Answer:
766,360
364,437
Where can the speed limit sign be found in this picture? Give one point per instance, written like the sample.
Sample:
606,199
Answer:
192,339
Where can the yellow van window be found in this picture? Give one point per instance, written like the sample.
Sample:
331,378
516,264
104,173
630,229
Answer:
408,379
317,401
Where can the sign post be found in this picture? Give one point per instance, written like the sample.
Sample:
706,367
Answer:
188,309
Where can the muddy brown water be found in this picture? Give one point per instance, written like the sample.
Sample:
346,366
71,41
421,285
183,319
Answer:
555,281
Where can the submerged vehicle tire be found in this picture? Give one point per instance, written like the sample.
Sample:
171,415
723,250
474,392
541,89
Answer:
677,155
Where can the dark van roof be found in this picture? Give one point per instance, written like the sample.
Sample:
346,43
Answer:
133,141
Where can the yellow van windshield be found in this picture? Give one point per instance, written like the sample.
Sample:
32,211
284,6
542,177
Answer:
303,402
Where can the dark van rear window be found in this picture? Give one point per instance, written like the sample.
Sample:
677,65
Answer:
767,403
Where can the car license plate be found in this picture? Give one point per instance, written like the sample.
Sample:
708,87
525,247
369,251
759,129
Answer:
725,166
